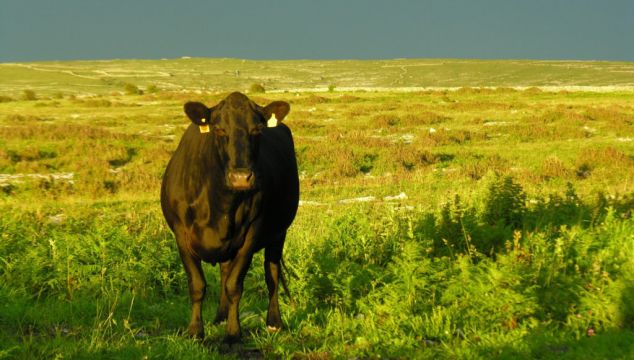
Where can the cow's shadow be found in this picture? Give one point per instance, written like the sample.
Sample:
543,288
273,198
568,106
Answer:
240,350
214,343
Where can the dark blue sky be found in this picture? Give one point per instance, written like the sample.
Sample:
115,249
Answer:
310,29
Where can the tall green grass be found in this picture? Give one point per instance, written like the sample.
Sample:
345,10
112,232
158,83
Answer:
499,276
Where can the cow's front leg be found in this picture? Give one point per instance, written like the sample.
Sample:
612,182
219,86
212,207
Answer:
197,286
233,289
223,305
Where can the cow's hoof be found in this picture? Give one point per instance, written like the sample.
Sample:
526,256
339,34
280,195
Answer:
232,339
273,323
196,331
272,329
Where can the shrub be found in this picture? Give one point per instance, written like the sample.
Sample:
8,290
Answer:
505,203
131,89
29,95
583,171
152,89
365,162
5,99
111,186
331,88
257,88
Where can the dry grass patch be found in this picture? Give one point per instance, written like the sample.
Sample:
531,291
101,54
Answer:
348,98
303,124
385,120
553,167
592,158
312,99
477,166
411,158
59,131
423,118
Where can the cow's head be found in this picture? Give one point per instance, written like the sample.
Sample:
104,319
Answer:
236,123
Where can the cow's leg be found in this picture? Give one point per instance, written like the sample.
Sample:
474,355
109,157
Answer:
272,271
233,288
197,286
223,306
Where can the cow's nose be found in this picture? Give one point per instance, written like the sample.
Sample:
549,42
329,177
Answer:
241,179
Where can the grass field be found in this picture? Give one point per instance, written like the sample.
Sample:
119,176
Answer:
486,212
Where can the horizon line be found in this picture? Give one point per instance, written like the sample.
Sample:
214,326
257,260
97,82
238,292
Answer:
186,57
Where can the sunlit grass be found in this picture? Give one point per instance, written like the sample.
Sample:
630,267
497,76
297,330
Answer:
476,223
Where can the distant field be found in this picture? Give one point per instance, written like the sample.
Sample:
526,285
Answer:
107,76
449,209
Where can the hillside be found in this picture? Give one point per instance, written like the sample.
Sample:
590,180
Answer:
107,76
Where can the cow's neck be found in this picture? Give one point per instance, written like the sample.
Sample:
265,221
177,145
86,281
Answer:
227,203
231,214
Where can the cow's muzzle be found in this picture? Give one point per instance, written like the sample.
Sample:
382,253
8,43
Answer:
241,179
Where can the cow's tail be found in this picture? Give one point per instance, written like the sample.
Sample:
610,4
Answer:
284,269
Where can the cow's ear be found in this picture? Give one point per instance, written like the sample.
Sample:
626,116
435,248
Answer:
278,108
198,113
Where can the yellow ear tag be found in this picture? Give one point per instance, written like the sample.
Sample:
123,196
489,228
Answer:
272,122
203,128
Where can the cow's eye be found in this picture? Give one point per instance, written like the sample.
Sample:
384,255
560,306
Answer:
220,131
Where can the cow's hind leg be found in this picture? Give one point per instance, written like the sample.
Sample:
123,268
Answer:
223,306
197,285
272,271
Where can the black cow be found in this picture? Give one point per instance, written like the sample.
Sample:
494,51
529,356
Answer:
231,189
